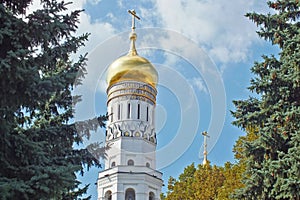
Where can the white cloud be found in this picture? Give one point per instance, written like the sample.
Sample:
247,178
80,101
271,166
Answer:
199,84
111,17
94,2
99,32
102,86
78,4
218,26
120,3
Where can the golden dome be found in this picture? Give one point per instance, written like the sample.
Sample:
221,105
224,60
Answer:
132,68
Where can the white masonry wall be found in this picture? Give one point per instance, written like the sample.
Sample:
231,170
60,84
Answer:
130,164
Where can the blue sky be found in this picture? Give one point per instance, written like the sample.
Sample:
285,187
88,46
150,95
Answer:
203,51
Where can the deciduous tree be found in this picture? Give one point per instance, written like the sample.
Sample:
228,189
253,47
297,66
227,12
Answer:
196,183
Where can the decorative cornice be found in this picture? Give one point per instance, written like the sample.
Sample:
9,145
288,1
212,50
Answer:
136,129
133,84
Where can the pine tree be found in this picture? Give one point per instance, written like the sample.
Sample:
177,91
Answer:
272,165
37,157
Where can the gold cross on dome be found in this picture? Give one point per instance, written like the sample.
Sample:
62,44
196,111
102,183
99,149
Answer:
133,13
205,161
205,134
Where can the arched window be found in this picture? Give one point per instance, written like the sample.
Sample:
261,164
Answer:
130,194
130,162
107,195
151,196
113,164
147,164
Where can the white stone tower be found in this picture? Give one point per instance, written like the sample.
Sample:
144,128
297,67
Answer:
130,168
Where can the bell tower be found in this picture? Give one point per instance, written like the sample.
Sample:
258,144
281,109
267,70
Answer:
130,167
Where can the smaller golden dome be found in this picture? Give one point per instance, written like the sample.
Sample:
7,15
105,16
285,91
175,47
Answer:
132,68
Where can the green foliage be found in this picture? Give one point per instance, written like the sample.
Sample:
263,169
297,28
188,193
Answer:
37,157
233,174
241,143
272,159
207,182
162,196
203,183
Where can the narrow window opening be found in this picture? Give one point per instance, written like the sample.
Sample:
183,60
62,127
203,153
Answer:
130,194
111,114
108,195
147,115
130,162
151,196
138,111
113,164
128,111
152,116
119,111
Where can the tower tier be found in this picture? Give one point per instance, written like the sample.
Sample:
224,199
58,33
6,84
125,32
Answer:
131,108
